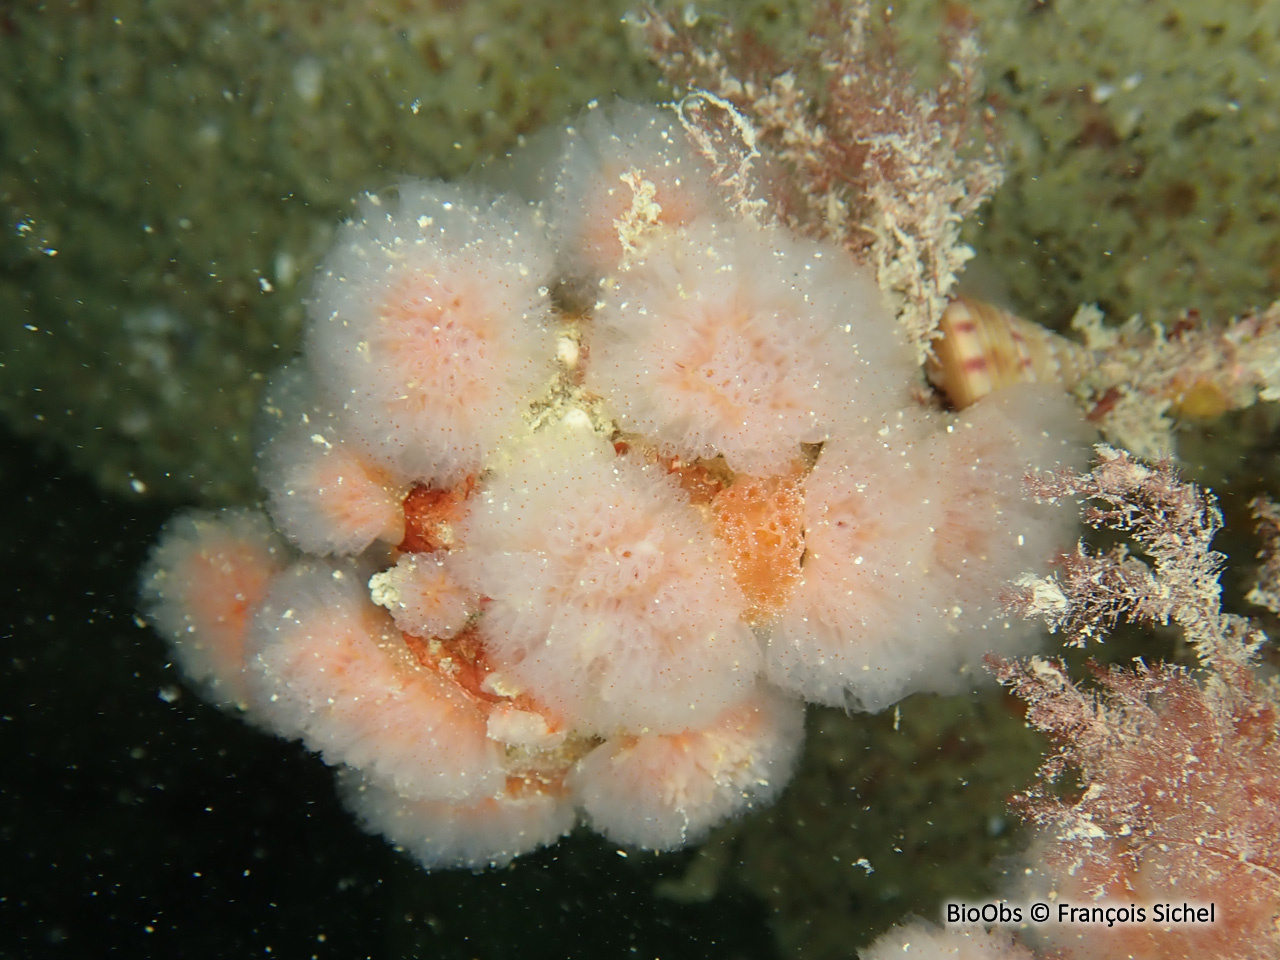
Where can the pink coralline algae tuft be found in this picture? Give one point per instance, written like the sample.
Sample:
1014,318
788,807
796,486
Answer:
581,491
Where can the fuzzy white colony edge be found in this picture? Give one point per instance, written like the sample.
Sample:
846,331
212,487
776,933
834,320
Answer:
581,491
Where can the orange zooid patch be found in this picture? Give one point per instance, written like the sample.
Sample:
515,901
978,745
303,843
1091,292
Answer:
460,659
430,514
700,479
761,520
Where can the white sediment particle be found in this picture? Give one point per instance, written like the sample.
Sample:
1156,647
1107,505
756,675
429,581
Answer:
384,588
500,685
567,351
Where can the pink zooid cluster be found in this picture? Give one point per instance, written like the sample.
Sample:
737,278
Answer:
584,488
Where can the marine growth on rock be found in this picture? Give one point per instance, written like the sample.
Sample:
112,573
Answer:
582,486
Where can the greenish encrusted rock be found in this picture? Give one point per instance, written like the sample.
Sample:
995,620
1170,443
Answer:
1142,144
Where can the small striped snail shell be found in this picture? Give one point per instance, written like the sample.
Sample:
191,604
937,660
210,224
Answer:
983,348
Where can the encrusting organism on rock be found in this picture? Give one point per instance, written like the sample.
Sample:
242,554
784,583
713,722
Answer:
592,559
592,483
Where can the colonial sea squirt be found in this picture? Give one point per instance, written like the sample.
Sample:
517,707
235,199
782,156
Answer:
578,492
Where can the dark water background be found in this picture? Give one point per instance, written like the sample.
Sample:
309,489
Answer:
137,821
